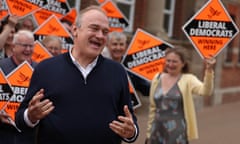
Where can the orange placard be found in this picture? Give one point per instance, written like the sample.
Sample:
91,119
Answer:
21,75
63,1
70,16
100,1
6,95
22,7
3,14
40,52
52,26
41,15
19,79
117,20
134,96
59,8
3,10
145,55
210,29
5,91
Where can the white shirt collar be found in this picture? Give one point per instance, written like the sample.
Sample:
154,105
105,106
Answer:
84,71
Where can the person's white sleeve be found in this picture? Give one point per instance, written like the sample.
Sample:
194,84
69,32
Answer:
134,137
27,121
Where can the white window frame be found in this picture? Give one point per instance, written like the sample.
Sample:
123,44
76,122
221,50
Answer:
131,3
170,12
77,5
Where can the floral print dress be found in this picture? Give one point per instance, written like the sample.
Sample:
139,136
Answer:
169,126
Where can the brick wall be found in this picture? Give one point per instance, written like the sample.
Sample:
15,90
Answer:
86,3
140,13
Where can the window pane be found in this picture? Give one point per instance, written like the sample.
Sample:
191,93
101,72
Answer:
168,16
168,4
125,9
166,22
71,3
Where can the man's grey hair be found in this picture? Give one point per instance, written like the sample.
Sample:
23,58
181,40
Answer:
21,33
117,35
83,11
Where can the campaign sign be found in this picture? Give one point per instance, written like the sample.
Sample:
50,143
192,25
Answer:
3,10
23,7
117,20
134,96
100,1
70,16
210,29
19,79
5,91
52,26
145,55
40,52
6,94
59,8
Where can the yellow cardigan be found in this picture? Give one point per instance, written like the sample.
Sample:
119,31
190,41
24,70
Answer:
188,84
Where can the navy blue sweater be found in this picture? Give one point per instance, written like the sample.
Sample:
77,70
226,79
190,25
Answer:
83,108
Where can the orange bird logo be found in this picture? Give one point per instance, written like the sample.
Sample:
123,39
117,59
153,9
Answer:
22,78
213,12
142,43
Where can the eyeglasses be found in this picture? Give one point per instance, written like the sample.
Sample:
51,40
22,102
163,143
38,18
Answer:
25,45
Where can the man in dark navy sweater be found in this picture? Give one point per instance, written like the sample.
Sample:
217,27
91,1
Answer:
80,96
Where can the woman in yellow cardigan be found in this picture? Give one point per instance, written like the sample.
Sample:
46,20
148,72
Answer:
172,117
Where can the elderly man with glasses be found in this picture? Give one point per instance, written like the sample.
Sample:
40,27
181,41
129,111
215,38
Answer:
23,42
22,51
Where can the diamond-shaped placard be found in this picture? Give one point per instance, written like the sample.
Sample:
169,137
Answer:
210,29
117,20
145,55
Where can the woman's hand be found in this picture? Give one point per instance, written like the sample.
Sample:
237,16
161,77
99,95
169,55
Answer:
210,62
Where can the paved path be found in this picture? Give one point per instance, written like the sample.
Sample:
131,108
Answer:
217,125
